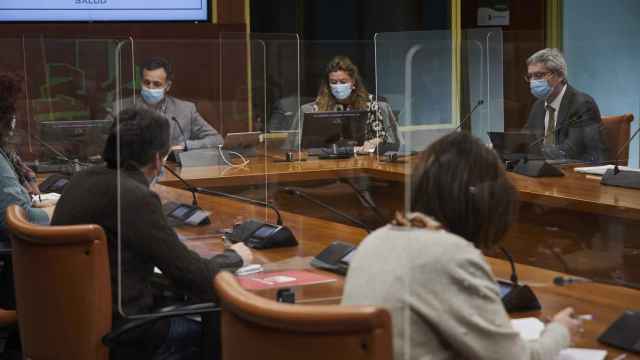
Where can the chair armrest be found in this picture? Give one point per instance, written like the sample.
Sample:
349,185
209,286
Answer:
111,339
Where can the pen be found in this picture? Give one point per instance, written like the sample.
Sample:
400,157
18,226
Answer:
621,356
585,317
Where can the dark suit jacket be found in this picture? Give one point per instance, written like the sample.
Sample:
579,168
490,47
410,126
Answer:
579,130
147,239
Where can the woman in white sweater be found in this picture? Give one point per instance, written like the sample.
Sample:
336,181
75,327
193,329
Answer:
426,267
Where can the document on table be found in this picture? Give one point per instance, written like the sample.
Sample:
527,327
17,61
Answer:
600,170
531,328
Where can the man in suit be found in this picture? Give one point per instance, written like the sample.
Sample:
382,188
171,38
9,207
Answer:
188,127
568,119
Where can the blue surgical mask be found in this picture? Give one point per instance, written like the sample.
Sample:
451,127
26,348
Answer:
152,96
540,88
341,91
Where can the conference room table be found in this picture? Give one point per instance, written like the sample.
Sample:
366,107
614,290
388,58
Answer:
604,302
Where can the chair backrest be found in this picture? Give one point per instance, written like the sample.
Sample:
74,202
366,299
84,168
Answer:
618,128
257,328
63,289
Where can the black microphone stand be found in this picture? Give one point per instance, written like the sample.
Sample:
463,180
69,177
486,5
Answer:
621,178
466,118
195,189
302,194
520,298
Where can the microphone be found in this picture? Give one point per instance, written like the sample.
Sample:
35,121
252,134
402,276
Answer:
567,280
617,177
253,233
200,190
466,118
75,167
302,194
184,138
189,187
520,298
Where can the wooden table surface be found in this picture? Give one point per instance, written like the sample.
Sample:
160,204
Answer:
604,302
573,191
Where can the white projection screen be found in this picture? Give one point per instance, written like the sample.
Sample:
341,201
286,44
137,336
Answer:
103,10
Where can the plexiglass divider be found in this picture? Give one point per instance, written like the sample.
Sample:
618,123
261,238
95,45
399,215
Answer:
215,105
264,83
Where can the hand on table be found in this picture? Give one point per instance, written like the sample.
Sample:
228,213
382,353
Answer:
368,147
566,318
244,252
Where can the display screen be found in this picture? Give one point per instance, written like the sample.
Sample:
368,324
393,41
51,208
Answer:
347,258
104,10
264,232
180,212
504,288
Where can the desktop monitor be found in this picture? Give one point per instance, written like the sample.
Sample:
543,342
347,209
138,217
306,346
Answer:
515,145
343,128
78,139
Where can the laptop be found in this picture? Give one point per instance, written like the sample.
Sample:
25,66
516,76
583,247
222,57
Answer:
516,145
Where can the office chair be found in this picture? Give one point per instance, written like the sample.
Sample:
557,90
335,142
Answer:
63,291
618,128
254,327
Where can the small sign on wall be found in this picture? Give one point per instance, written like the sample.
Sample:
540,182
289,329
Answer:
493,13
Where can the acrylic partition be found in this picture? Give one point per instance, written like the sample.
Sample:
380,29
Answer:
68,90
214,108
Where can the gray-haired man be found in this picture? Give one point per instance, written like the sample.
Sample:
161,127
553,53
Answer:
568,119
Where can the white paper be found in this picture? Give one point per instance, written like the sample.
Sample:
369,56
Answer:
600,170
582,354
529,328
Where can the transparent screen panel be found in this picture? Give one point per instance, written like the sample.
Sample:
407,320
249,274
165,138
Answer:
574,223
211,107
69,86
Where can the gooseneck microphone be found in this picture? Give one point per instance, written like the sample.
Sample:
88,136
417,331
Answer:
617,177
466,118
520,298
514,275
200,190
184,138
302,194
75,164
189,187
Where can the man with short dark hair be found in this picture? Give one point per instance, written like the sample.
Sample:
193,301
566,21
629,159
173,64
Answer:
567,120
188,127
138,235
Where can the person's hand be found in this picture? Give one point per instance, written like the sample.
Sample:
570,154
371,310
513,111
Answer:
368,147
49,210
566,318
32,188
244,252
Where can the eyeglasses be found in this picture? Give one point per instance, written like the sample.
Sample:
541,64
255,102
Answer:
536,75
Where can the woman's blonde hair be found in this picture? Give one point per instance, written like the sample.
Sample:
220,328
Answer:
359,97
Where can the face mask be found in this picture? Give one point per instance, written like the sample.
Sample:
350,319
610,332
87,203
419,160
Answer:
155,179
341,91
152,96
540,88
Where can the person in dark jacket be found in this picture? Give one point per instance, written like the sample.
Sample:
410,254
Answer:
567,120
139,237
